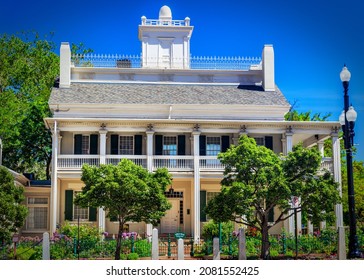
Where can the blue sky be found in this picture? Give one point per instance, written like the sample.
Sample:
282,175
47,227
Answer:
312,39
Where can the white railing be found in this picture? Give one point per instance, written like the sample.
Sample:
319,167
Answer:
174,163
137,61
158,22
138,160
76,161
210,163
327,164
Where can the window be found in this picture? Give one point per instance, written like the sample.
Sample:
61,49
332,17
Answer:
86,144
37,218
213,145
126,145
79,212
170,145
259,141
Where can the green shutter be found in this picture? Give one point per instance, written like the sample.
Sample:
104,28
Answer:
68,213
94,143
202,206
158,145
268,141
92,214
181,145
77,143
202,145
138,144
114,144
225,143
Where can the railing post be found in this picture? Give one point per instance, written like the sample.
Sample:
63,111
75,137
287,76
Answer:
169,245
192,252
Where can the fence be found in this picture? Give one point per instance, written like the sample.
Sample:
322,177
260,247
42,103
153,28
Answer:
280,246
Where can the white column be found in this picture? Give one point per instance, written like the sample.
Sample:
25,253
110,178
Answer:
337,176
284,145
102,149
150,134
289,147
54,187
196,163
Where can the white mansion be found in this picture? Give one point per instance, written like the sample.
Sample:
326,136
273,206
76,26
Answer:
168,109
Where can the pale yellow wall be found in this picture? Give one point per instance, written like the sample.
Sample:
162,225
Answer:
66,143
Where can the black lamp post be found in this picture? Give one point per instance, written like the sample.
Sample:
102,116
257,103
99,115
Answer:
347,120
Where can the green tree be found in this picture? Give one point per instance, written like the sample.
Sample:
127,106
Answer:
28,70
12,212
256,181
127,192
294,115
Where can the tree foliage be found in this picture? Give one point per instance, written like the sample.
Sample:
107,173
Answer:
28,70
12,212
127,192
256,180
294,115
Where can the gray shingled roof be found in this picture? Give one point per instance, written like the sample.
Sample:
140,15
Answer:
103,93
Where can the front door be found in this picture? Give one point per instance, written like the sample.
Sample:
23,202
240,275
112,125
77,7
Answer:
169,223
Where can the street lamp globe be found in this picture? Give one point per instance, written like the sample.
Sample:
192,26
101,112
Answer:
342,118
345,74
351,114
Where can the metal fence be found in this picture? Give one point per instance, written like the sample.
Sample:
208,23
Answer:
280,246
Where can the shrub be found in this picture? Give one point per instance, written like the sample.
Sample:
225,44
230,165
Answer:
211,230
132,256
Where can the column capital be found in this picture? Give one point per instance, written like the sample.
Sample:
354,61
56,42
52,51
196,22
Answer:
335,132
289,131
242,130
150,129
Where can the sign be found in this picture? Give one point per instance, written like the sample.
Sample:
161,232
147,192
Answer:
16,238
180,235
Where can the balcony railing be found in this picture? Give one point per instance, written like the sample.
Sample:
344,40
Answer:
326,164
76,161
210,163
174,163
137,61
138,160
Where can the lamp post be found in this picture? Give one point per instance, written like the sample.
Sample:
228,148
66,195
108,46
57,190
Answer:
347,120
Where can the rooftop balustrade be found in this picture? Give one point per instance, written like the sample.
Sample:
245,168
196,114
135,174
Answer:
137,61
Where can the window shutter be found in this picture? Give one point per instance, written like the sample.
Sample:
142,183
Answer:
92,214
114,144
202,206
138,144
159,145
271,216
268,142
225,143
181,145
202,145
77,144
94,143
68,213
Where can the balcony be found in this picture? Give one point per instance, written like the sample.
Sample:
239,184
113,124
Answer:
172,163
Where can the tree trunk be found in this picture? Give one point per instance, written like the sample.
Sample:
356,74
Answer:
48,168
118,240
264,254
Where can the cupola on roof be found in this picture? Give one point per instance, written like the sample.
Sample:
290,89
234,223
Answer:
165,13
